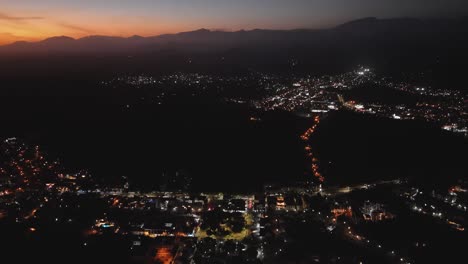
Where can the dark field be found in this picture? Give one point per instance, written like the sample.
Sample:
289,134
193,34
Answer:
216,144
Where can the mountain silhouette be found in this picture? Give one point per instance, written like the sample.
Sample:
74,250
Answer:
396,45
392,30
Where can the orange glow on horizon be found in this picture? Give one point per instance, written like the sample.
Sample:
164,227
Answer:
29,27
39,35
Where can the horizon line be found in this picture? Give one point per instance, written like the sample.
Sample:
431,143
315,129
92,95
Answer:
163,34
225,30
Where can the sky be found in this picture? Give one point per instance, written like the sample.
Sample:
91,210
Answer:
33,20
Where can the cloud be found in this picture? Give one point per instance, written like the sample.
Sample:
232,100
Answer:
7,34
75,28
8,17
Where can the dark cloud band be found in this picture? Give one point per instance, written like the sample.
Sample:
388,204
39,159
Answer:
18,18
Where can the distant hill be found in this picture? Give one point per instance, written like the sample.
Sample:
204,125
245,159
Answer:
408,29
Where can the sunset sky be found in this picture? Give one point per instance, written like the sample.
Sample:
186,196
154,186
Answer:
33,20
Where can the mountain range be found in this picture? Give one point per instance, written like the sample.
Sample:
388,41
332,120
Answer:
393,46
401,31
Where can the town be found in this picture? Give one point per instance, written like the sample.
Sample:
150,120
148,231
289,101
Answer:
309,95
179,226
